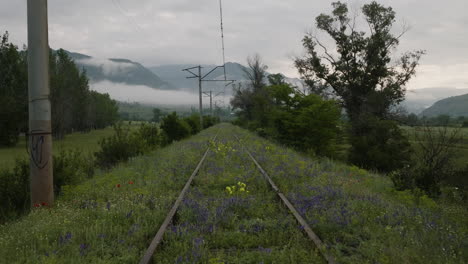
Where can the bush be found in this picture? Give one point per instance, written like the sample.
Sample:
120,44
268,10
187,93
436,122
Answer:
119,147
174,128
209,121
380,146
194,122
149,133
432,164
312,127
70,167
14,190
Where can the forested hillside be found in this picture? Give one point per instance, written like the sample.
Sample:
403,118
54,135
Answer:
453,106
118,71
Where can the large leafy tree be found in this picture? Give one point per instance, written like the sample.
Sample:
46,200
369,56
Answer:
361,72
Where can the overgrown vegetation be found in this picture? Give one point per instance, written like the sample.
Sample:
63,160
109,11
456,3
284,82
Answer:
358,215
279,111
70,168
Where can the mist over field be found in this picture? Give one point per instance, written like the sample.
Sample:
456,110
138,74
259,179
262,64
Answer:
144,94
109,67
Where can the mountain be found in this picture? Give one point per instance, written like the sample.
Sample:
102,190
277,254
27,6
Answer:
420,99
118,71
234,71
452,106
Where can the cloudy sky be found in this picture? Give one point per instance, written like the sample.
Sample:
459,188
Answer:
156,32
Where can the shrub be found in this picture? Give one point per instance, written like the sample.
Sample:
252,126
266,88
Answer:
119,147
14,190
380,145
149,133
432,163
174,128
70,167
194,122
209,121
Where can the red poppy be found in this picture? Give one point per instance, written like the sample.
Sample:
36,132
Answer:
44,204
130,182
37,205
118,185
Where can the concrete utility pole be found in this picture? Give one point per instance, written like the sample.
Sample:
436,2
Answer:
200,95
211,103
40,128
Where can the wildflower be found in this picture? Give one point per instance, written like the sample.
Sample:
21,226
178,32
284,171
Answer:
130,182
44,204
118,185
37,205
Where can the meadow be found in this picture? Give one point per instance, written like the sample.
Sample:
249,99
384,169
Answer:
87,143
231,216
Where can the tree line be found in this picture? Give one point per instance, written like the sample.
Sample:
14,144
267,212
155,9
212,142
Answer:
74,106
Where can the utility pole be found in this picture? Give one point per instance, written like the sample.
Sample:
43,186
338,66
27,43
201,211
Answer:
202,79
210,94
211,103
40,128
200,95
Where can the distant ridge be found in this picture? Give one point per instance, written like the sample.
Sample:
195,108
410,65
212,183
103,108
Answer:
118,70
452,106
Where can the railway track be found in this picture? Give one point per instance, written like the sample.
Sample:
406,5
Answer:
314,245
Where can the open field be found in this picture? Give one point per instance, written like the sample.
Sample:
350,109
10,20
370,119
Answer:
461,158
360,218
85,142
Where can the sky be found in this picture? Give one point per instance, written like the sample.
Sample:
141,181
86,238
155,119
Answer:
188,31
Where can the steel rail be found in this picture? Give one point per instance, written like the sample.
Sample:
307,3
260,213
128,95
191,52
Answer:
159,235
307,229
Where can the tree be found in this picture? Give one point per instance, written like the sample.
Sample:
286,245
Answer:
252,100
157,114
362,74
433,161
13,92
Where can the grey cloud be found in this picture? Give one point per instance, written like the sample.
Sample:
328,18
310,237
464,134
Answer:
187,31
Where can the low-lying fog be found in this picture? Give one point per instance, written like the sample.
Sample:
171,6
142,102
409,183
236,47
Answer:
146,95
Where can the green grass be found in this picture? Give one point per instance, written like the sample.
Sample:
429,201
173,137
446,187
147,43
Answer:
461,157
358,215
85,142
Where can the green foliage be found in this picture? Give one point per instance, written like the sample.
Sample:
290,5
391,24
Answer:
70,167
14,190
157,114
74,106
209,121
305,122
381,145
194,122
433,162
149,133
13,92
174,128
121,146
363,77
